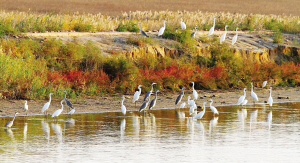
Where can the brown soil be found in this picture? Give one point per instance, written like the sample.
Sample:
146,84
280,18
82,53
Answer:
115,7
166,100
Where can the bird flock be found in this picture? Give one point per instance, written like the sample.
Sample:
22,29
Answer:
183,26
147,105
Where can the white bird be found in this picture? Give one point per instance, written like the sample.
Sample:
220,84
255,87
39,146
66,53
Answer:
195,94
201,114
242,98
182,24
254,96
143,32
213,109
162,29
58,112
222,38
244,102
182,105
10,123
25,107
192,104
136,95
212,29
194,33
123,108
270,100
47,104
264,84
71,111
234,39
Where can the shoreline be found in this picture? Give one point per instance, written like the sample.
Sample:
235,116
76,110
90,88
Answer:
166,100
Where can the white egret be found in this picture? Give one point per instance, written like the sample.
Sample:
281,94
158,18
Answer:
195,94
192,104
222,38
58,112
182,105
123,108
253,95
47,104
212,29
136,95
143,32
180,96
213,109
244,102
234,39
162,29
264,84
242,98
71,111
270,100
153,102
149,92
201,114
26,107
10,123
67,101
182,24
194,33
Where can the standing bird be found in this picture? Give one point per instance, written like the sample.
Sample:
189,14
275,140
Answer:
71,111
58,112
136,95
67,101
213,109
25,107
212,29
195,94
222,38
149,92
201,114
123,108
270,100
194,33
264,84
182,24
162,29
142,32
242,98
10,123
145,104
47,104
180,96
192,104
182,105
244,102
153,102
235,37
254,96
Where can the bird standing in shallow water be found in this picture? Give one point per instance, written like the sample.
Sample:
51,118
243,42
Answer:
145,104
242,98
26,107
180,96
149,92
137,94
201,114
47,104
10,123
270,100
123,108
253,95
67,101
195,94
213,109
71,111
153,102
58,112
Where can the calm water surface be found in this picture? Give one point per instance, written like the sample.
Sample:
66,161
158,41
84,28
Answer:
249,134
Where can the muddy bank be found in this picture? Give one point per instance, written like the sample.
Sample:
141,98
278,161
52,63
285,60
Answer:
165,100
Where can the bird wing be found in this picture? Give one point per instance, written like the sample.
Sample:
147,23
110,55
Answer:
147,95
241,99
56,113
144,33
254,96
72,111
183,26
135,96
211,31
143,106
69,103
152,103
161,31
8,124
178,99
234,39
195,94
214,110
46,106
182,105
264,83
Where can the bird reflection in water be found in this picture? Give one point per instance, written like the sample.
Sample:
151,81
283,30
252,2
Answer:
70,122
46,129
57,130
213,123
242,115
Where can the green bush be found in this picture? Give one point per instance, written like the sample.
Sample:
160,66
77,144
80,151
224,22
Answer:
129,26
278,37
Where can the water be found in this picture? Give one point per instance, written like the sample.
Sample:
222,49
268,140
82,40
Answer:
252,134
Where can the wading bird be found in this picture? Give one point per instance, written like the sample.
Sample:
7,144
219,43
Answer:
195,94
244,102
149,92
136,95
270,100
145,104
47,104
153,102
242,98
58,112
10,123
162,29
253,95
182,24
180,96
123,108
234,39
192,104
142,32
212,29
201,114
67,101
264,84
222,38
194,33
71,111
25,107
213,109
182,105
